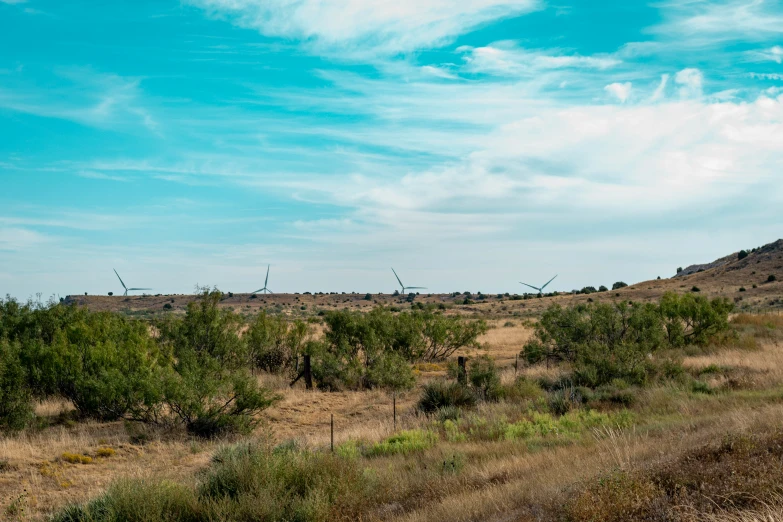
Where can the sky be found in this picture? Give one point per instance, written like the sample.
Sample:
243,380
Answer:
470,145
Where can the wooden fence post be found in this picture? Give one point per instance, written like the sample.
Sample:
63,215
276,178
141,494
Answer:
462,375
331,433
308,376
394,406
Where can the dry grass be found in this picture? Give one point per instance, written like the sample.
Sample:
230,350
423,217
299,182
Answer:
770,510
501,480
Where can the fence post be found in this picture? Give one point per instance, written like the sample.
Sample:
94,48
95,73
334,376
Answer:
516,365
331,434
394,406
307,374
462,375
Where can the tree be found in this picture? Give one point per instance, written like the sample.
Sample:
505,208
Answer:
16,401
444,335
618,285
210,389
602,288
742,255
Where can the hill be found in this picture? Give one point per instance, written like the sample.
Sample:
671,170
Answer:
745,281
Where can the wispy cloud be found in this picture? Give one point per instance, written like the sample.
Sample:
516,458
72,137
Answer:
508,59
359,27
85,96
709,22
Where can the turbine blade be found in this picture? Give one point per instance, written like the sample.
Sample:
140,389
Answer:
548,282
398,280
269,291
416,287
531,286
118,277
258,291
267,276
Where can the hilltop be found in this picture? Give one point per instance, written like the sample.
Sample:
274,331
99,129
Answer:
744,281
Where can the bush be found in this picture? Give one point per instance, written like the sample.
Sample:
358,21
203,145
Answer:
615,341
209,389
274,344
442,394
771,278
742,254
695,289
691,319
484,378
108,366
602,288
618,285
16,404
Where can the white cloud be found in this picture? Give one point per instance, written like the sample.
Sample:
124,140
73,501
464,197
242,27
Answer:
707,22
621,91
507,59
690,82
775,54
661,89
86,97
361,26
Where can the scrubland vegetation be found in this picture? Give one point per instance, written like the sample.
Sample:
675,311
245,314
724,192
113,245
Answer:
615,411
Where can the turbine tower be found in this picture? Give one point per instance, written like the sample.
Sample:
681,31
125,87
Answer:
407,287
540,290
265,290
126,288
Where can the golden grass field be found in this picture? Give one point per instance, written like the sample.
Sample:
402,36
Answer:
501,480
42,470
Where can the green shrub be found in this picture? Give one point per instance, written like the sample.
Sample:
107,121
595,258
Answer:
484,378
16,404
209,389
441,394
618,285
771,278
742,255
108,366
403,443
274,344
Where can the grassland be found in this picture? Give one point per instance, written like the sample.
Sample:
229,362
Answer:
703,446
499,462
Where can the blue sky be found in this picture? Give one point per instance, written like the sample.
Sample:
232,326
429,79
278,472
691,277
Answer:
468,144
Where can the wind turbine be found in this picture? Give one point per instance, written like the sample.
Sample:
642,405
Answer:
126,288
540,290
265,290
407,287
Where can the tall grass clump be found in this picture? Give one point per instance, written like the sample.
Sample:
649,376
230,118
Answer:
443,394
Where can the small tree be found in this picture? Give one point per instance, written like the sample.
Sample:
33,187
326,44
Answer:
16,402
602,288
618,285
742,254
210,389
771,278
